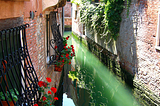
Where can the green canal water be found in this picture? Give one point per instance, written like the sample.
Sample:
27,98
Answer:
89,83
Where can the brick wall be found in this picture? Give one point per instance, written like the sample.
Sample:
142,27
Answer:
67,9
67,16
136,47
35,40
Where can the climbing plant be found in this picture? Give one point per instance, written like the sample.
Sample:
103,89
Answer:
104,18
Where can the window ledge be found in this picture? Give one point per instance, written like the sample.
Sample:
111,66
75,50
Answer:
157,47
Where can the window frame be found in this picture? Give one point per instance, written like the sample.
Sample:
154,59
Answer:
158,31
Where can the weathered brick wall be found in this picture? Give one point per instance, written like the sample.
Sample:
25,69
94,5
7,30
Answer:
67,9
136,46
67,16
35,40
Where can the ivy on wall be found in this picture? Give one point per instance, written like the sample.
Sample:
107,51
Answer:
104,17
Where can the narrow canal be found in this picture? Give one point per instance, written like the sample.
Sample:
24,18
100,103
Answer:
87,82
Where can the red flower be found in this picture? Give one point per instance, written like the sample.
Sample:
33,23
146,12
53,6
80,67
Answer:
68,47
72,46
71,54
55,98
44,84
67,54
44,98
48,79
55,47
66,44
49,92
35,105
67,57
67,37
40,83
64,47
63,60
53,89
73,50
61,55
70,62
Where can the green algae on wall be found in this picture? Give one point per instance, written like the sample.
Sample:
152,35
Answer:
141,93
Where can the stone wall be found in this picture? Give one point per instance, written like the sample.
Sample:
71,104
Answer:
136,43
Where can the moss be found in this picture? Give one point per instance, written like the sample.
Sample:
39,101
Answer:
144,95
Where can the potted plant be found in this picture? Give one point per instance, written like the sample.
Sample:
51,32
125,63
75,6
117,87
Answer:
14,96
67,54
48,98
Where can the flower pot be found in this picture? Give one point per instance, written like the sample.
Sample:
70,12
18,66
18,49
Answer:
58,68
6,104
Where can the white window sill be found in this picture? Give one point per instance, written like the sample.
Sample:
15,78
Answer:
157,47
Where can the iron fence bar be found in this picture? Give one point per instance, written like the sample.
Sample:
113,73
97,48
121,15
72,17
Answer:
9,61
29,62
12,61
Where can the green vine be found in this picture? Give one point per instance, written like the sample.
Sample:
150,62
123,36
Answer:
104,18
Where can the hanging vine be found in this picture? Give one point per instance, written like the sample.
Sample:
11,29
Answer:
105,18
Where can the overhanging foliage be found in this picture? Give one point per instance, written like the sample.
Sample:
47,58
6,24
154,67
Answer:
104,18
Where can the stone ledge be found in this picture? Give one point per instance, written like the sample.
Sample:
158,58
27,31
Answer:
144,95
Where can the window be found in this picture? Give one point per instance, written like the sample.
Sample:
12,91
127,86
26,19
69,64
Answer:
50,20
84,29
158,32
53,37
75,14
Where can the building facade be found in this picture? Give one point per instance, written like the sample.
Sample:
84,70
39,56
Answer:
40,15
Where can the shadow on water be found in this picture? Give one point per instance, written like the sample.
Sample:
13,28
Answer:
90,83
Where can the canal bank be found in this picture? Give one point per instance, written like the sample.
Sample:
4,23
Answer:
140,92
88,82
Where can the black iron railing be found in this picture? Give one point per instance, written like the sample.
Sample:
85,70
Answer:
16,69
55,40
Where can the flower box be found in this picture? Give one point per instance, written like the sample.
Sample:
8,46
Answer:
58,68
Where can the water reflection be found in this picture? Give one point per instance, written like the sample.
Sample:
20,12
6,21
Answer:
91,84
